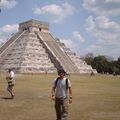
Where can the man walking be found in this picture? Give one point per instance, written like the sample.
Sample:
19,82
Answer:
11,82
60,90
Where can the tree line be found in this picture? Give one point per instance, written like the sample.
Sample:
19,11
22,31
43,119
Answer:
103,64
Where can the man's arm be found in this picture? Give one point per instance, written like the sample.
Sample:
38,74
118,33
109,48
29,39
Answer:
70,95
53,93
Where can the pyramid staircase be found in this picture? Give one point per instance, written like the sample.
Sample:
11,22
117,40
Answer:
61,56
81,65
26,55
6,47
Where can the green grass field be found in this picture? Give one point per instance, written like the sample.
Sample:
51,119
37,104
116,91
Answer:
94,98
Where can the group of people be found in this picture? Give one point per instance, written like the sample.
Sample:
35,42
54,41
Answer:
61,92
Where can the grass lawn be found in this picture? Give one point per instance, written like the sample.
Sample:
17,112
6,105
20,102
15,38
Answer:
94,98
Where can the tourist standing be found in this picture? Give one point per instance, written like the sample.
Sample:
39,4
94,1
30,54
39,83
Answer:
11,82
60,90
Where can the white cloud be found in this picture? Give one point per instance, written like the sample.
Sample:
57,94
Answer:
56,12
106,33
72,44
67,42
112,1
104,30
103,7
78,36
102,27
6,4
106,23
95,48
104,49
0,33
9,28
1,41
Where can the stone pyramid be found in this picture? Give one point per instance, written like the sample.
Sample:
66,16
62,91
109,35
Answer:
34,50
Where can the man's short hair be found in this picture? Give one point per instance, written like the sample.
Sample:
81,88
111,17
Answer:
10,69
61,71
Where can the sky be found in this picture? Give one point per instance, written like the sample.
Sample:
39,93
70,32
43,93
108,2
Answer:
85,26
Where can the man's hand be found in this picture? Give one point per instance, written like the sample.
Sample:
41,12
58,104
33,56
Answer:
53,97
70,100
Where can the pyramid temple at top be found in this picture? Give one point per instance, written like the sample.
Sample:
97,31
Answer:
33,49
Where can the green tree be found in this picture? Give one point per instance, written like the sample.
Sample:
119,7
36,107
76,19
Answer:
100,63
103,64
115,70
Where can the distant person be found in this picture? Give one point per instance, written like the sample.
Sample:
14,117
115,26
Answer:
60,90
92,73
67,74
11,82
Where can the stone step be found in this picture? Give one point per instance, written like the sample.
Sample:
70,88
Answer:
65,61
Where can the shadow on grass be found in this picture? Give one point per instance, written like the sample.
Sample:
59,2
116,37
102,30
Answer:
7,98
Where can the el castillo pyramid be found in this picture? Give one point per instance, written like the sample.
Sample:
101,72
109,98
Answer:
33,49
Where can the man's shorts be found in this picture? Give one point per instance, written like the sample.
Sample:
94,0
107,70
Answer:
10,84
